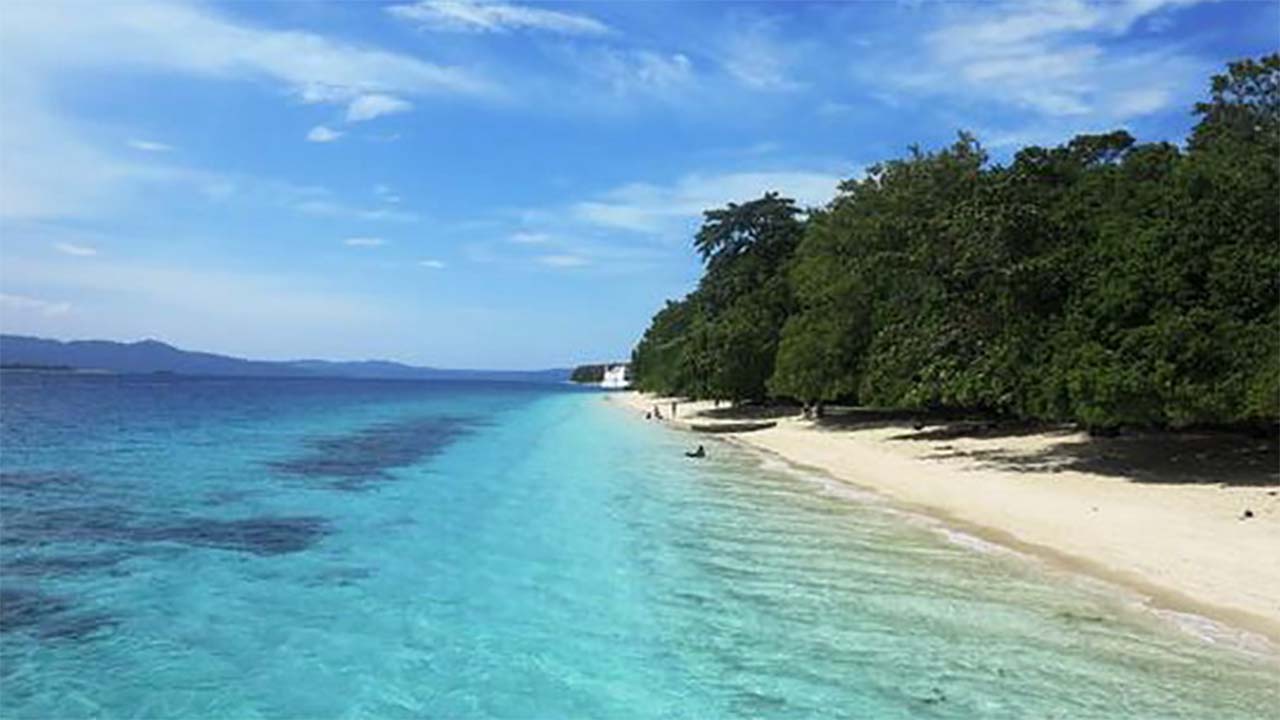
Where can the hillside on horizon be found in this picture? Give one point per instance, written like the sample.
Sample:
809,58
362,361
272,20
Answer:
151,356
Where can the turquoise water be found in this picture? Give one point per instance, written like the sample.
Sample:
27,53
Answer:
265,548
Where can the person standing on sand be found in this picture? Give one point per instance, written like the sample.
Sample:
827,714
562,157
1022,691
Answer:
673,410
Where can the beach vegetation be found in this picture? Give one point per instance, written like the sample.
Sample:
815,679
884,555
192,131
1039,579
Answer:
1103,281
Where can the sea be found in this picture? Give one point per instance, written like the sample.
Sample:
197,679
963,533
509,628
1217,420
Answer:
180,547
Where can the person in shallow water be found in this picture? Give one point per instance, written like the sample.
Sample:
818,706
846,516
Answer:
700,452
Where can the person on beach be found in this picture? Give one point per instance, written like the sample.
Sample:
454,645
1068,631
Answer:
673,410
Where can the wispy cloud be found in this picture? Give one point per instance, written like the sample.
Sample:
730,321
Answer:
322,134
315,200
77,250
834,109
433,264
650,208
481,16
159,35
632,73
386,194
326,206
1050,59
368,107
364,242
55,168
149,145
753,54
529,238
563,261
22,304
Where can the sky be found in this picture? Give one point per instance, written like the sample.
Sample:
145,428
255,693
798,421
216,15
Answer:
502,184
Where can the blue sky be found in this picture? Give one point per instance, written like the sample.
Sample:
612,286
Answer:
498,184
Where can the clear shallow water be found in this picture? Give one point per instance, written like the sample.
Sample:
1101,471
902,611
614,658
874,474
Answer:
237,548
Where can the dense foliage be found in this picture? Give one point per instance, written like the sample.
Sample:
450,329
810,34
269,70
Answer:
588,374
1102,281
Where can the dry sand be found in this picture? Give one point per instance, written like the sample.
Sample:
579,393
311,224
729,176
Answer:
1157,514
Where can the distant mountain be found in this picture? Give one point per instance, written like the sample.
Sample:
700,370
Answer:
150,356
137,357
385,369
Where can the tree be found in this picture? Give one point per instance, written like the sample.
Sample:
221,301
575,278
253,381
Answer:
1101,281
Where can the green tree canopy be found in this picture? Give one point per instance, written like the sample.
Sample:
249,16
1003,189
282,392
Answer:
1102,281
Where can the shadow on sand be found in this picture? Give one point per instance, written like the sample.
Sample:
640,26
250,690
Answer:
762,411
1171,457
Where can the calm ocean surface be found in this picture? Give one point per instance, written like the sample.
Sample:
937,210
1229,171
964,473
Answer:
231,548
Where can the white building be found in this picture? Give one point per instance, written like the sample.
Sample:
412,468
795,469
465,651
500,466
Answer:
615,378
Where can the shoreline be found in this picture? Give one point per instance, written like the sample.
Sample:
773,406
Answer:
1182,545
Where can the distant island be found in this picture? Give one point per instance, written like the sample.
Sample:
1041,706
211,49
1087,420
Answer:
23,353
35,367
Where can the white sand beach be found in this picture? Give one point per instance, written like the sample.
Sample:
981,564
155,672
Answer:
1165,519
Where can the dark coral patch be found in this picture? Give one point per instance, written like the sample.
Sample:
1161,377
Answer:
22,608
358,458
106,524
46,615
18,488
87,524
269,535
25,479
58,565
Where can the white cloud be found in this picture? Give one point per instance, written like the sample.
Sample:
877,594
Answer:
325,206
160,36
51,166
149,145
364,242
757,59
1051,59
22,304
529,238
1141,101
1012,24
639,226
649,208
479,16
47,167
77,250
626,73
368,107
386,194
322,134
563,261
433,264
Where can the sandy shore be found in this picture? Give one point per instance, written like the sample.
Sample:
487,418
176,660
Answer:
1162,518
